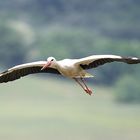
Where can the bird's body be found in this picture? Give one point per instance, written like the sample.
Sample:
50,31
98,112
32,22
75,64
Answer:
68,68
71,68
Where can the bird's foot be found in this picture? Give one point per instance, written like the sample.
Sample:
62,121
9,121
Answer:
88,91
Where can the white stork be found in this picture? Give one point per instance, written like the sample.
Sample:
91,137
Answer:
72,68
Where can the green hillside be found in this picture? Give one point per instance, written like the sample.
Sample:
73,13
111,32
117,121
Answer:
61,110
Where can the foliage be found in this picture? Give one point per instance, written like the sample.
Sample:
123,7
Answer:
116,18
12,48
128,89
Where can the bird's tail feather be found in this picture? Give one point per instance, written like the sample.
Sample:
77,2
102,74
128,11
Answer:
88,75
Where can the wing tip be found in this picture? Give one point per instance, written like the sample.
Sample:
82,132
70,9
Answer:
132,60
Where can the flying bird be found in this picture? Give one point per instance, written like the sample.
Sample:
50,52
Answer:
71,68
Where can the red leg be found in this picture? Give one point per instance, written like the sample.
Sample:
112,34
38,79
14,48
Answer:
79,83
88,90
85,88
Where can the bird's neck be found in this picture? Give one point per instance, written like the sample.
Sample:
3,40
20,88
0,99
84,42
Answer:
55,65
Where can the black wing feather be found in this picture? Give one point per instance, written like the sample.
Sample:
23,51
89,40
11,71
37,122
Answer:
7,76
102,61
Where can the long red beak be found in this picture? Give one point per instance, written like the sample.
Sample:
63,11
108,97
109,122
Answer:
46,65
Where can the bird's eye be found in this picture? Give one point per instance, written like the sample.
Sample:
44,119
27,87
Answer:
52,59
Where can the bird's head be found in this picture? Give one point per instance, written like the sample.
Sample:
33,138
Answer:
50,61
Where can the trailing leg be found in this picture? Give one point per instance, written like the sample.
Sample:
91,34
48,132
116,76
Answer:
87,89
83,85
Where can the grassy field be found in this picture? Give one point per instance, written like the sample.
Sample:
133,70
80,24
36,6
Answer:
39,109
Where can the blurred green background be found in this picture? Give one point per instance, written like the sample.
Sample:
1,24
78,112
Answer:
46,107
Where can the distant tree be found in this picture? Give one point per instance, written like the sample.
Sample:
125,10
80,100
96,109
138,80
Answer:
128,89
12,48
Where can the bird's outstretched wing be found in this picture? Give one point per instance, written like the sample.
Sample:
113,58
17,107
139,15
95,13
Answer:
25,69
97,60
